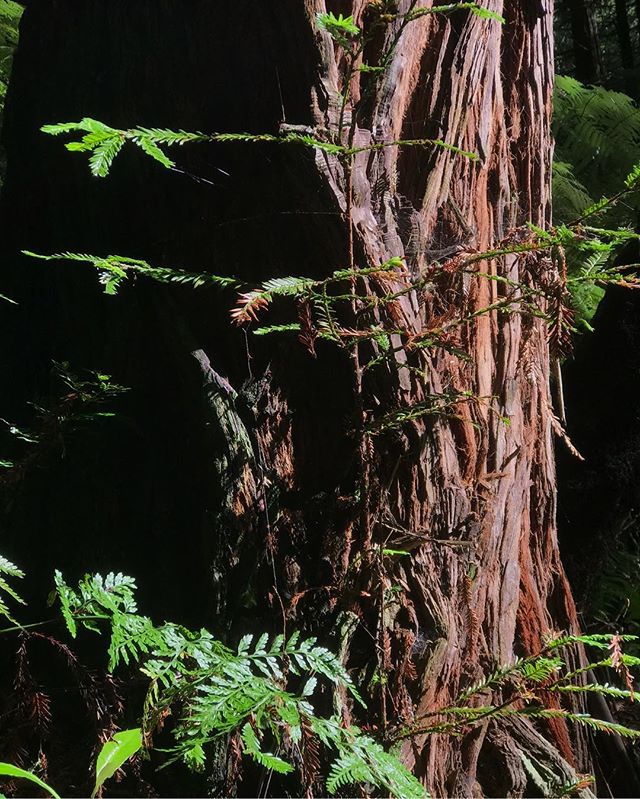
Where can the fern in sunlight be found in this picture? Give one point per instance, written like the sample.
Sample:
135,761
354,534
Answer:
522,688
262,691
597,134
113,270
9,571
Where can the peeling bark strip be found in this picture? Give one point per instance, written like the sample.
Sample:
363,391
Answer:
472,498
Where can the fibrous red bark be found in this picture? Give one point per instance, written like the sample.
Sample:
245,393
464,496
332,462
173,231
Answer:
279,515
481,493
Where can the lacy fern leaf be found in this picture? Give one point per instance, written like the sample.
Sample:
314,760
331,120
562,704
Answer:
114,269
219,692
266,759
9,570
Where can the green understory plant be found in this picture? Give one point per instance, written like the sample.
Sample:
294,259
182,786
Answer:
10,14
597,133
113,755
80,400
9,570
247,695
259,696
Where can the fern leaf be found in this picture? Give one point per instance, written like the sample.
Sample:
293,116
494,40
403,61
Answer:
366,761
347,769
595,688
10,570
267,331
104,154
584,719
632,179
287,286
170,137
474,8
266,759
69,600
147,144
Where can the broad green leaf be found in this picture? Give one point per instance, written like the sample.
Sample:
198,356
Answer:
115,753
7,770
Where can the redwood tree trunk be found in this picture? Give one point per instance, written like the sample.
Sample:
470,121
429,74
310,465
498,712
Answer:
274,513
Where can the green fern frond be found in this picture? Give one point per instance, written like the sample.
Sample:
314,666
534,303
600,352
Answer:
294,327
86,124
540,669
113,269
221,692
105,142
583,719
169,137
266,759
287,286
362,760
348,769
340,27
596,640
439,143
474,8
150,147
435,405
8,569
570,197
604,689
11,11
103,156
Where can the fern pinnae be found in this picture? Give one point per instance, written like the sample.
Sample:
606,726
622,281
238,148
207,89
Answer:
583,719
9,570
294,327
149,146
266,759
603,689
115,268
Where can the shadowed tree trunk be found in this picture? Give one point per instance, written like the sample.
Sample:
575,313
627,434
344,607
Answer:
624,34
241,510
586,47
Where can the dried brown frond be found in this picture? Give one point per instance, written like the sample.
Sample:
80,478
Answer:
310,752
248,306
562,434
386,649
234,763
561,325
351,332
404,704
308,331
34,705
396,315
454,264
561,312
617,663
387,278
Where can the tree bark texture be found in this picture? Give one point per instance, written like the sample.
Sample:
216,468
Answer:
236,481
